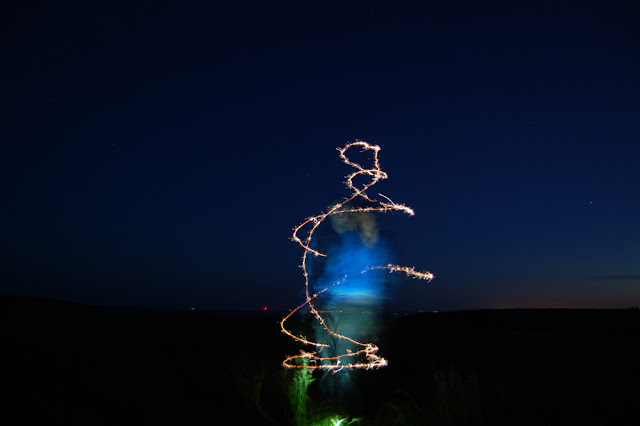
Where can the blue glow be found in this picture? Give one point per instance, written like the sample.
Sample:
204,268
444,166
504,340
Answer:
355,299
350,257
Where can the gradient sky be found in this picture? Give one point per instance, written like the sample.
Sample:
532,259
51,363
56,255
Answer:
159,154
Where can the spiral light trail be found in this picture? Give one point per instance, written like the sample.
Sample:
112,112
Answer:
368,351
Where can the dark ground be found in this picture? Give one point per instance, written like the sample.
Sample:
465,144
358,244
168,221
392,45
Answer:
75,364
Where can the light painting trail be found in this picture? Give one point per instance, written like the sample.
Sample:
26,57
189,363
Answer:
368,352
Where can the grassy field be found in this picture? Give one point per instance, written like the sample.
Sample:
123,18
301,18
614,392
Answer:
75,364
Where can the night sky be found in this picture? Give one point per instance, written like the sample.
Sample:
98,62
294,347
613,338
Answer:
158,155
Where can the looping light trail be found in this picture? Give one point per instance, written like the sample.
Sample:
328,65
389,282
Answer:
369,351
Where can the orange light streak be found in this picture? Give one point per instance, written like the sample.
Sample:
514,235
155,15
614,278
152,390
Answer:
369,350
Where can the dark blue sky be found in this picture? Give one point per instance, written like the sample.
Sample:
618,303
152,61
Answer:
159,154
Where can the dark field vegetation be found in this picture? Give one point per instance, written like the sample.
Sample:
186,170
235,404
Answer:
74,364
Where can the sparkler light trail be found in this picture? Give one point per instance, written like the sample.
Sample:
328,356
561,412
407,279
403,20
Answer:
366,357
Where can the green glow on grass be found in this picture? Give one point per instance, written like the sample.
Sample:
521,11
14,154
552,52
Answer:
298,397
336,421
300,402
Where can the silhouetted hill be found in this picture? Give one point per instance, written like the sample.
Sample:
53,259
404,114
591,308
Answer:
68,363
